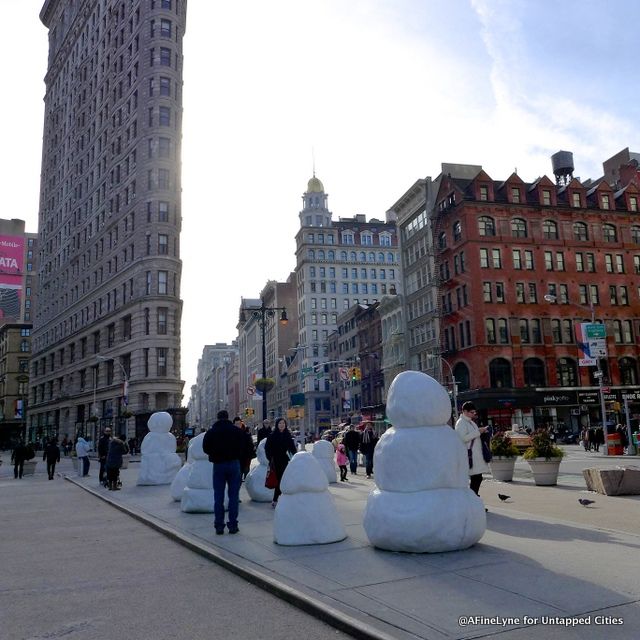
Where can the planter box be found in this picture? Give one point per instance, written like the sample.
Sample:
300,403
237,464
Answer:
613,482
502,468
125,461
545,472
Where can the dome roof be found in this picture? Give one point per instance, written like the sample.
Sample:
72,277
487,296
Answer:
315,186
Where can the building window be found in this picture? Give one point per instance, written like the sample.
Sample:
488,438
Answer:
519,228
609,233
503,331
490,325
604,201
576,200
442,240
484,258
528,260
534,372
163,244
161,363
546,197
486,226
500,292
566,372
517,258
486,292
550,230
457,231
628,371
548,260
580,231
484,193
520,292
347,238
500,373
525,337
163,313
633,203
496,258
559,261
165,57
163,279
515,194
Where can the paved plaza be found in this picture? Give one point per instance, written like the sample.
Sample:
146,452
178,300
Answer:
544,563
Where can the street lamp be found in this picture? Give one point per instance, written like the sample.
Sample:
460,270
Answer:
598,374
454,382
125,376
260,314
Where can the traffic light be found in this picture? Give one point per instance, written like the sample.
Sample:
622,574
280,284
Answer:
353,372
616,407
249,411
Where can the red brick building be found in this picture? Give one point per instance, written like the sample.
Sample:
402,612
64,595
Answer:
501,247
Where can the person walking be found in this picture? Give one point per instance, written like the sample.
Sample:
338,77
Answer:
248,453
19,454
51,455
113,461
470,434
103,450
368,443
351,442
264,431
224,444
82,451
341,461
279,449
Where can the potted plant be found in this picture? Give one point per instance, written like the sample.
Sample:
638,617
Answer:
504,454
264,385
544,458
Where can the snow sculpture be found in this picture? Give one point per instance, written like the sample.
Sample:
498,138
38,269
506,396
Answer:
306,512
324,453
159,461
422,501
197,496
180,481
254,482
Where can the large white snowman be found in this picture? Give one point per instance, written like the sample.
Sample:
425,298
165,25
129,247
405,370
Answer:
254,482
197,496
159,461
306,512
324,453
422,501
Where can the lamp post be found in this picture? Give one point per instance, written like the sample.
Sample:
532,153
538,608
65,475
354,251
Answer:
261,314
599,374
125,379
454,383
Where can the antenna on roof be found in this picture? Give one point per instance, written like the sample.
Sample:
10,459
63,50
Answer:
313,160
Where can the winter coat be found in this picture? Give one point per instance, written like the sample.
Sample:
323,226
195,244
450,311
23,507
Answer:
351,440
368,443
82,448
469,433
279,445
51,453
341,456
117,448
103,445
224,442
19,454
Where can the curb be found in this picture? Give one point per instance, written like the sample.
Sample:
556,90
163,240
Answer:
326,613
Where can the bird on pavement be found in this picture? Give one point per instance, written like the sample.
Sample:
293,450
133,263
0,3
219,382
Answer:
503,497
585,502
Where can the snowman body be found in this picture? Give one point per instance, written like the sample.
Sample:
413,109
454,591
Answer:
306,512
159,461
324,453
422,501
197,496
254,482
180,481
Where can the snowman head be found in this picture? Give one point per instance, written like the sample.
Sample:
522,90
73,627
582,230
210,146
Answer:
195,448
262,456
160,422
417,400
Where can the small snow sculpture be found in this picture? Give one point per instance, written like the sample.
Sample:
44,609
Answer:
324,453
254,482
306,512
422,501
159,461
180,481
197,496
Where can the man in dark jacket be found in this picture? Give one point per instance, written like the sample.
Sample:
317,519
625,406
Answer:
18,456
51,455
103,450
264,431
351,443
224,444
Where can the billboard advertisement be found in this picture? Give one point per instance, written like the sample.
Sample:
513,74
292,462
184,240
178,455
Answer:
11,271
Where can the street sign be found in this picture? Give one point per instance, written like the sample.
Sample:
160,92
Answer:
251,390
344,374
295,413
606,389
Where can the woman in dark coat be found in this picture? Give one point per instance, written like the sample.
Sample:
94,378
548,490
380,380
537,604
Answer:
279,448
117,448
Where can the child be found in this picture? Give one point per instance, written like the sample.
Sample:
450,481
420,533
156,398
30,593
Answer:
342,461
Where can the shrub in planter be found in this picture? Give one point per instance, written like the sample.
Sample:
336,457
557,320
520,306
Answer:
502,446
504,458
544,459
264,384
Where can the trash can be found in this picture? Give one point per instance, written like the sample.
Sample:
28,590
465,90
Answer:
614,444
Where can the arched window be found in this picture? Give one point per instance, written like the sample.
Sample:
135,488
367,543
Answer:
363,256
461,374
353,257
500,373
628,371
581,231
442,240
312,254
550,230
390,257
381,257
331,255
567,372
320,254
635,234
609,233
534,372
457,231
519,228
486,226
371,257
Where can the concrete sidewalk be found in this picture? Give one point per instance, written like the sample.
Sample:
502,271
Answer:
544,563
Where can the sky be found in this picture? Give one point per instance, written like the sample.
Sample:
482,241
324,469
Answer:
375,93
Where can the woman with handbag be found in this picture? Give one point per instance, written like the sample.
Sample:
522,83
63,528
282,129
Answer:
470,434
279,449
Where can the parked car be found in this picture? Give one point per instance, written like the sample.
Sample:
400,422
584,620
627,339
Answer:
520,439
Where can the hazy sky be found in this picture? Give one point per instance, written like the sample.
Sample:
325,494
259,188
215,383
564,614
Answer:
380,91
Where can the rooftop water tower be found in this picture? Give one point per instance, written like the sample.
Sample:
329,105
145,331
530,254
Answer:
562,162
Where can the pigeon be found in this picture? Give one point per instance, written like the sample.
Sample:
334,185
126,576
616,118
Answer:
503,497
585,502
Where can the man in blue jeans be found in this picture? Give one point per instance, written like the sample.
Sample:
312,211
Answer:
224,445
